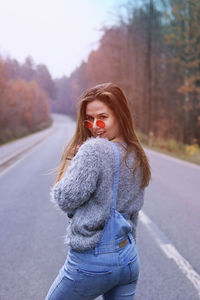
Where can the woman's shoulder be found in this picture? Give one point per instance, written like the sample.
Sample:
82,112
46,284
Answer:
100,146
96,143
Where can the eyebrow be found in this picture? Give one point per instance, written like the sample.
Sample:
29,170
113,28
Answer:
87,115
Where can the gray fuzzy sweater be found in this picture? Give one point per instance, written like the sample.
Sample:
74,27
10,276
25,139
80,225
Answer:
85,191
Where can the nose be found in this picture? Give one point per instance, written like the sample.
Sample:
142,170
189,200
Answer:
95,124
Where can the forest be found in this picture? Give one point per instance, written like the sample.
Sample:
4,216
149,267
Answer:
154,55
25,93
152,52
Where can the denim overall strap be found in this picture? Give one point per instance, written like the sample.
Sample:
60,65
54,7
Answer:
115,189
116,229
116,178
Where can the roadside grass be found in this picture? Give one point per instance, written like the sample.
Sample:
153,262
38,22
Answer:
190,153
8,136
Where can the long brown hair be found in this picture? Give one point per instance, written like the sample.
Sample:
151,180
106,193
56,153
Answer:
115,99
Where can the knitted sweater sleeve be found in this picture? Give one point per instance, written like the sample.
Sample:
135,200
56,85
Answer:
138,202
79,181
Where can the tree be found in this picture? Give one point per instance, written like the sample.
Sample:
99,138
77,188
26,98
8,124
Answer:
183,38
27,71
43,77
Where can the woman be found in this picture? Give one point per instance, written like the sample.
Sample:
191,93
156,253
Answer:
102,190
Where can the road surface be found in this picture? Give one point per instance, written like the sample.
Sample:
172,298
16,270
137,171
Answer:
32,231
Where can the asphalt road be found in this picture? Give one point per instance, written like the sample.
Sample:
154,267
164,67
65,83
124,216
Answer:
32,231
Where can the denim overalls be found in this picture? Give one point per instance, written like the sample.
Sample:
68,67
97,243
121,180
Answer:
110,269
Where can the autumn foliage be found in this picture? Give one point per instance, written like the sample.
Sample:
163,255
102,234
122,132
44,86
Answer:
153,54
24,107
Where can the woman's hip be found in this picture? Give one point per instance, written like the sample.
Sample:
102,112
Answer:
87,276
103,262
93,279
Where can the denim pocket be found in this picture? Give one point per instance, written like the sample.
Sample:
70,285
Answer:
93,273
71,273
93,282
134,269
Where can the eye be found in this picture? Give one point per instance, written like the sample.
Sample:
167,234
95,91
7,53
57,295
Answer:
90,118
103,117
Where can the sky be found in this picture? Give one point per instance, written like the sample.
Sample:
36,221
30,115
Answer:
57,33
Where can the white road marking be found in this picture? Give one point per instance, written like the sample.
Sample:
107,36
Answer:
24,156
171,252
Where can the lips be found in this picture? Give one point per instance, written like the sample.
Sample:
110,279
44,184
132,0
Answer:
100,133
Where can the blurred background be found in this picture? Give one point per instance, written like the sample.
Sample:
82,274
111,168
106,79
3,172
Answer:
51,51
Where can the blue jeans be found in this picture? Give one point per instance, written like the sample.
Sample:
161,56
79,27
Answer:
110,269
84,276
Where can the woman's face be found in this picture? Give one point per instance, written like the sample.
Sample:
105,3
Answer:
97,110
